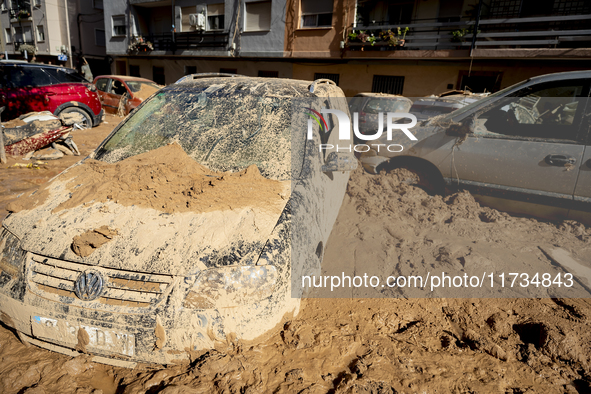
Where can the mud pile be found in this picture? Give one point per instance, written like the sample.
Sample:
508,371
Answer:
165,179
369,345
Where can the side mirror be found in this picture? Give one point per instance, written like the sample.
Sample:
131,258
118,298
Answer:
340,161
465,127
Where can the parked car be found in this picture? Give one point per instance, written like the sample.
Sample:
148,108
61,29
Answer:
524,149
31,87
428,107
370,105
168,283
132,90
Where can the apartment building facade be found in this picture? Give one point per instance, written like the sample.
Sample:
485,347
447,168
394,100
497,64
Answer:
409,47
36,27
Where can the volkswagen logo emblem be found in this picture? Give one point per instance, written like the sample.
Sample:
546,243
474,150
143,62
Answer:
89,285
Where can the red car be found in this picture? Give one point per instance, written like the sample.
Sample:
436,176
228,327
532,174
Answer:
133,90
30,87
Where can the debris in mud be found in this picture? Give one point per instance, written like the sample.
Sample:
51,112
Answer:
83,245
71,118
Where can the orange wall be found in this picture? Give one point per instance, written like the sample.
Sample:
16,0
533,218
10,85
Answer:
317,42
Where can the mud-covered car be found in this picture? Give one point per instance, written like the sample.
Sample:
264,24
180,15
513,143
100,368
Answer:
368,106
132,90
524,149
176,233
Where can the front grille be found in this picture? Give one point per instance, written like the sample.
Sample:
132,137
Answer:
55,279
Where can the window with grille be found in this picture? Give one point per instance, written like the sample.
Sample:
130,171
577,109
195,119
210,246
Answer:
158,75
268,74
387,84
134,70
332,77
504,8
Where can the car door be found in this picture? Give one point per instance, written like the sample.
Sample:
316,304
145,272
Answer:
102,85
111,99
581,210
24,89
526,150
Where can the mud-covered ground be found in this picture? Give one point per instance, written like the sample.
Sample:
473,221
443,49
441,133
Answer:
366,345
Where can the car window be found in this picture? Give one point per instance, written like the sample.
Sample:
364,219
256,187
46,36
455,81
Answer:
224,131
59,75
118,88
101,84
20,77
136,86
377,105
549,111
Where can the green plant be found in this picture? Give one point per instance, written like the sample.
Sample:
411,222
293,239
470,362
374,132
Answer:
30,49
23,14
352,36
458,35
372,39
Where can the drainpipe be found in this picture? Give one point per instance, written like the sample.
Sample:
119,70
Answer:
79,36
173,16
476,25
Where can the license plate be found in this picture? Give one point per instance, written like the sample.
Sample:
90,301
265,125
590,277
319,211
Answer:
99,338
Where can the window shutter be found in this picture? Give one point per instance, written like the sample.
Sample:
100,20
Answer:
215,9
258,16
316,6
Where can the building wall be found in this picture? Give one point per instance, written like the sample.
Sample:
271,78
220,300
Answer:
321,41
425,77
115,45
53,18
269,43
174,68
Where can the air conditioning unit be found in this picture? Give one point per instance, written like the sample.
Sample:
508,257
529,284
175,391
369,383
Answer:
197,20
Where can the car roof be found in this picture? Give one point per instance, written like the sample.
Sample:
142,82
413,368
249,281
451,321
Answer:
386,95
38,65
124,78
277,87
561,76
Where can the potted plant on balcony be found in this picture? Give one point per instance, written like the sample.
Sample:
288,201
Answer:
139,44
30,49
23,14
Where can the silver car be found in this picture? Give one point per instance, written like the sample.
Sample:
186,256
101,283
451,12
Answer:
524,149
368,106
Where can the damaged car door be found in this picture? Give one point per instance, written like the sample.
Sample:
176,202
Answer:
524,152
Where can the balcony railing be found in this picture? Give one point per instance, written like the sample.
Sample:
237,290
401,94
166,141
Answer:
539,32
18,44
188,41
21,10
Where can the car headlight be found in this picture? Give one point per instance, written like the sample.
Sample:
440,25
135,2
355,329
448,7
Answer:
11,256
226,287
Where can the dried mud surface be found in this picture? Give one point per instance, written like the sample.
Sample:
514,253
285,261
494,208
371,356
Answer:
369,345
83,245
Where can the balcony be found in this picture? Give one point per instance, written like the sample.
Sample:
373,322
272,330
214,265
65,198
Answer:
188,41
535,32
21,10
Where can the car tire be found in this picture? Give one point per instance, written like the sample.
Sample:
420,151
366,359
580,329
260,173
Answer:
87,118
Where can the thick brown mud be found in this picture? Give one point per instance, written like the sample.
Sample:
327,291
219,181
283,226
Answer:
370,345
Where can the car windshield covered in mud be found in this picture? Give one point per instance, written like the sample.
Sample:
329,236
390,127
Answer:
222,129
178,232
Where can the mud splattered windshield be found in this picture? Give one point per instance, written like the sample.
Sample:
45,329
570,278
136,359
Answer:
224,131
